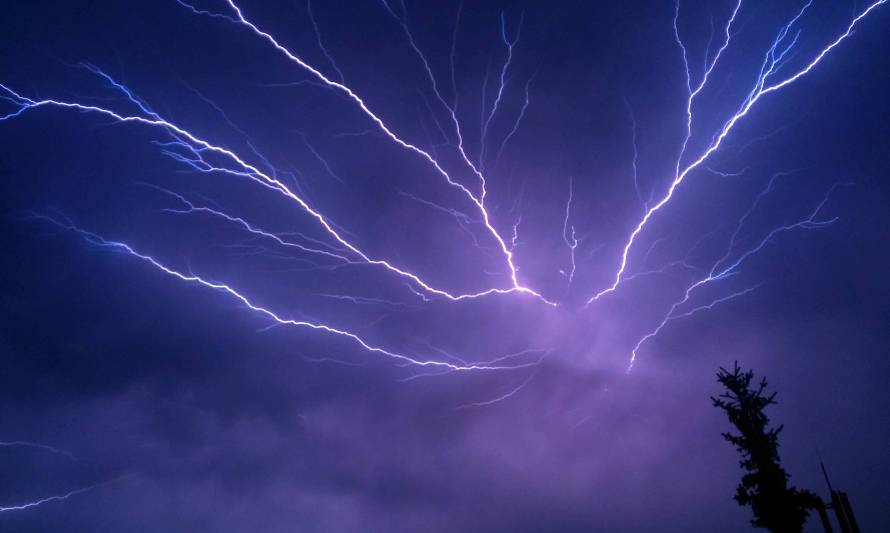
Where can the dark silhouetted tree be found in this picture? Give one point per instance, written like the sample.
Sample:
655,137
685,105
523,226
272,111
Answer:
777,506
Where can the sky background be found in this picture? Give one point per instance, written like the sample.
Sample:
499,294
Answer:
193,414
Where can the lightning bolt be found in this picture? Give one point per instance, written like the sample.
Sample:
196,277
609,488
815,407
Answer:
56,498
507,395
193,150
477,199
568,235
37,446
48,499
727,266
763,86
267,313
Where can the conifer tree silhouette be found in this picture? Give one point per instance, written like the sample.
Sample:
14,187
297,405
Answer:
777,506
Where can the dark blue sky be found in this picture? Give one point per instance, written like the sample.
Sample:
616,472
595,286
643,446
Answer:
186,411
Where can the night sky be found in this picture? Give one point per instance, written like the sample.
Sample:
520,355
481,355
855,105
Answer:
140,393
